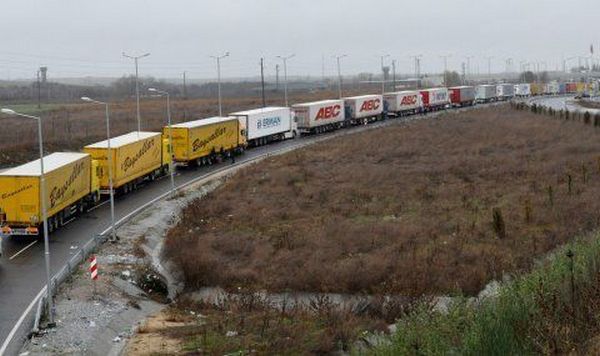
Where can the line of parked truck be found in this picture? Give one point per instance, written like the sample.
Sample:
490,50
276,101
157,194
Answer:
75,182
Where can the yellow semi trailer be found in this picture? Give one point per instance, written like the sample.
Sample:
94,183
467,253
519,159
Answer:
136,156
200,141
71,183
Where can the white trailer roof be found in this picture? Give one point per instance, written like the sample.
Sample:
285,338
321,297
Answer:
320,102
358,97
51,162
258,111
401,92
123,140
201,122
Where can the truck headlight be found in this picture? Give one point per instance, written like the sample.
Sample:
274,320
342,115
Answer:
34,219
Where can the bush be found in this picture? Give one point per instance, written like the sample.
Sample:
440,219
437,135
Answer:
535,314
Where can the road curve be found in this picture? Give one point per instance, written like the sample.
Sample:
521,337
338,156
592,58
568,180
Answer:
22,275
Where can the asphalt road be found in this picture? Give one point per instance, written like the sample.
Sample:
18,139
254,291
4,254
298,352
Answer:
22,268
561,103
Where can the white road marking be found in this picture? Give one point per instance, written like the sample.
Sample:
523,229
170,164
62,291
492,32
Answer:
20,321
98,206
22,250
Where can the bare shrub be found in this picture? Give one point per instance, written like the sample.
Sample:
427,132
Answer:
409,208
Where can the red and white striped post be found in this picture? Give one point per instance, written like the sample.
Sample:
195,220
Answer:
94,271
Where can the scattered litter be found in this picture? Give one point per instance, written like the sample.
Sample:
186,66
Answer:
117,339
73,247
231,333
92,324
126,273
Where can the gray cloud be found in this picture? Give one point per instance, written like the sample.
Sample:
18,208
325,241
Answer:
86,37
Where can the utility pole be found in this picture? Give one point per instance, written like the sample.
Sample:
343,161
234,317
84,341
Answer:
417,60
383,73
394,74
277,77
323,68
39,90
445,57
339,70
468,71
262,81
184,87
489,69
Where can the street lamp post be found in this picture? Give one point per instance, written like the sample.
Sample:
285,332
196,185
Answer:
110,167
445,58
489,59
44,210
218,59
383,74
171,170
137,86
285,81
340,73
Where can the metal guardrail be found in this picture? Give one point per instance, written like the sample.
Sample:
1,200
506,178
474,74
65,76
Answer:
61,276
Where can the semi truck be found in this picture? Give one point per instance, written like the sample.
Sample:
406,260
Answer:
505,91
363,109
71,186
485,93
435,98
136,156
319,116
268,124
522,90
462,96
402,103
551,88
201,141
537,88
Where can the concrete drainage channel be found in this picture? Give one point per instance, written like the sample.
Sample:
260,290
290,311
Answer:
90,246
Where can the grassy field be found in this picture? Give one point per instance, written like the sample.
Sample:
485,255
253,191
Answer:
70,127
432,207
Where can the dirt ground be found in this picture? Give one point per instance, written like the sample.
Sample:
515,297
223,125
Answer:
435,207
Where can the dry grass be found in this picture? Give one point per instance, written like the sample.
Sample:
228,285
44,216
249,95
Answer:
70,127
247,324
436,206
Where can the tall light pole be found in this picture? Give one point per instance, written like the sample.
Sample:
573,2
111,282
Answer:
489,59
171,170
137,86
285,81
218,59
339,73
445,58
110,167
383,73
44,209
417,59
469,66
394,75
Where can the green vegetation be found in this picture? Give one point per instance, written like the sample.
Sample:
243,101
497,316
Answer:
552,310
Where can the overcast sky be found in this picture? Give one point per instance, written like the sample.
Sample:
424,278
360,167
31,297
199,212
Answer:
86,37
